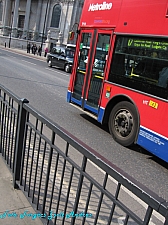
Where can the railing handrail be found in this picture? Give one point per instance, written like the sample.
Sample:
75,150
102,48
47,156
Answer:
10,94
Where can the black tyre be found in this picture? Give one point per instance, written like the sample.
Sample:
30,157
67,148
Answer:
49,62
123,123
67,68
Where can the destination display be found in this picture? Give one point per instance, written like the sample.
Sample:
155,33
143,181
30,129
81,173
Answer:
157,45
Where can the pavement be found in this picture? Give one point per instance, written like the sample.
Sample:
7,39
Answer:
15,207
24,52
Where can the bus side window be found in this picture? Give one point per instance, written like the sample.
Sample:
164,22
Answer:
163,78
118,64
140,67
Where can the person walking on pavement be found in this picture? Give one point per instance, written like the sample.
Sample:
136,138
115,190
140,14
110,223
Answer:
34,49
46,51
28,47
39,51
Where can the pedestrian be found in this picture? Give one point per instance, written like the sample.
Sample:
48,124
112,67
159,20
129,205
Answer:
34,49
39,51
45,51
28,47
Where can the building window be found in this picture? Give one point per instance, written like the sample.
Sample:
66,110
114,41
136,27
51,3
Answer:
56,16
21,21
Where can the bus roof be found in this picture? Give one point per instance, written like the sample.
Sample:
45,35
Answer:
135,16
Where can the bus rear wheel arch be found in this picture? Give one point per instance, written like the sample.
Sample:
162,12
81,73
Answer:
123,123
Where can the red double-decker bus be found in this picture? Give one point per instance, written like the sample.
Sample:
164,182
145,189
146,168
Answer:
120,72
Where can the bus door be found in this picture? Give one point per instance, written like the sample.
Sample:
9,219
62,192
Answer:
97,69
81,68
93,54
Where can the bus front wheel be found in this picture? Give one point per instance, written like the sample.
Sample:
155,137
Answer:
123,123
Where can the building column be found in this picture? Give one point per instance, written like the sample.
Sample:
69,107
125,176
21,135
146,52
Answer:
6,17
66,25
27,17
15,18
38,18
47,9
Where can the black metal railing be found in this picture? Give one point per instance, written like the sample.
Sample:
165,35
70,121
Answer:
69,182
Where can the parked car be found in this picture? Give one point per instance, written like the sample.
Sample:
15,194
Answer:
61,57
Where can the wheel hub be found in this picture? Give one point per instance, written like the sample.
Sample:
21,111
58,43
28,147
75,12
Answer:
123,122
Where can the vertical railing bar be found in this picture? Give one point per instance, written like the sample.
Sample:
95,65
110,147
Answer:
41,131
27,158
0,119
7,130
2,123
45,145
32,158
126,220
148,216
69,188
48,171
1,127
113,205
1,102
10,135
100,199
15,135
87,202
10,130
12,143
84,162
62,178
53,184
24,147
21,122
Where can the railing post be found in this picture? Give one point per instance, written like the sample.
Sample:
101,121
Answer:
78,193
19,141
2,120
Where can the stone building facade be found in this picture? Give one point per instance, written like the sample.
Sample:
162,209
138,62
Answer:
31,20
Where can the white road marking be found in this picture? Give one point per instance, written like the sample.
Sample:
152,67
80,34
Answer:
57,72
29,62
12,57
